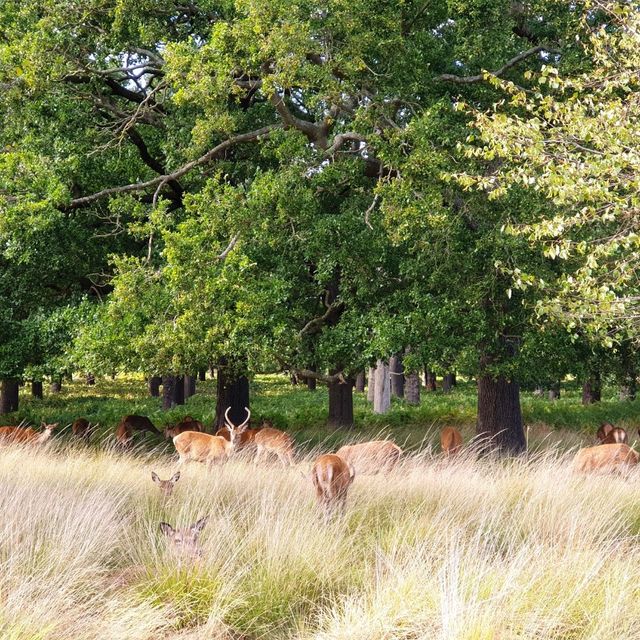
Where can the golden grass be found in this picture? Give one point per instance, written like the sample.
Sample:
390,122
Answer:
459,550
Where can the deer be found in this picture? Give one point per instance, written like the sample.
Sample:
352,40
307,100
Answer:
185,540
605,457
81,429
166,486
617,435
246,437
269,440
186,424
332,477
450,441
26,435
202,447
129,424
604,430
371,457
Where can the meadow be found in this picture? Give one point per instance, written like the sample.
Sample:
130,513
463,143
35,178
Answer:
461,549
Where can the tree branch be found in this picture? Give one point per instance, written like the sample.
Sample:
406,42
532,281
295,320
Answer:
229,249
448,77
178,173
314,325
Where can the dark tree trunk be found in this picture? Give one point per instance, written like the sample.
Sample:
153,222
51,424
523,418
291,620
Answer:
233,391
154,386
396,371
294,379
592,389
448,382
56,386
430,380
36,389
341,405
169,384
382,391
91,379
202,375
179,390
371,384
454,379
9,388
412,388
554,391
189,386
499,416
360,382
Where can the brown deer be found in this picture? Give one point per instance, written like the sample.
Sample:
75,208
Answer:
193,446
26,435
371,457
604,430
81,429
332,477
605,457
273,441
450,441
185,541
246,435
186,424
617,435
129,424
166,486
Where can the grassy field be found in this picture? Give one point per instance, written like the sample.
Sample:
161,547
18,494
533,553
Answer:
448,550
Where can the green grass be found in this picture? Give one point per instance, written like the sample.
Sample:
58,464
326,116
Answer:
303,413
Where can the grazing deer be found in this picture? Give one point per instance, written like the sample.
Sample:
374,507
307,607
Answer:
269,440
26,435
185,540
604,430
81,429
605,457
617,435
371,457
131,423
186,424
450,441
202,447
332,477
166,486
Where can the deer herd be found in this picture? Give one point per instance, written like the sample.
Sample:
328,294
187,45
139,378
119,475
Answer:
331,474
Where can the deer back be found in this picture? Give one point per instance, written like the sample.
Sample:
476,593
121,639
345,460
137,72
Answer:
605,457
450,440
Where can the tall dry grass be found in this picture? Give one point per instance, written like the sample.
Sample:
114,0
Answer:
445,550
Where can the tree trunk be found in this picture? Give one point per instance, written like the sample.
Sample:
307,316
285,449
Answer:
499,416
396,371
169,384
341,405
371,382
154,386
447,383
36,389
430,380
360,382
312,384
233,391
56,386
412,388
179,390
202,375
382,394
554,391
592,389
189,386
9,397
454,379
91,379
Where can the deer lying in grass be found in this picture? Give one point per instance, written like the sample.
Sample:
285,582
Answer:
185,540
26,435
605,457
450,441
202,447
166,486
129,424
332,477
81,429
617,435
371,457
186,424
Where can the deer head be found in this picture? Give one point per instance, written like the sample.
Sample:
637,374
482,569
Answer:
166,486
185,540
235,433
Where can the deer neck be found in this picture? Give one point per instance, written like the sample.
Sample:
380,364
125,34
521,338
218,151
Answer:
44,436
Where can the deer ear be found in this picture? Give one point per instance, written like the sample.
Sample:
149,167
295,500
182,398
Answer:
154,477
175,477
167,529
199,526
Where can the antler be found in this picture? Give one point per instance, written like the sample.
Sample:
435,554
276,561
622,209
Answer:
228,420
248,418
